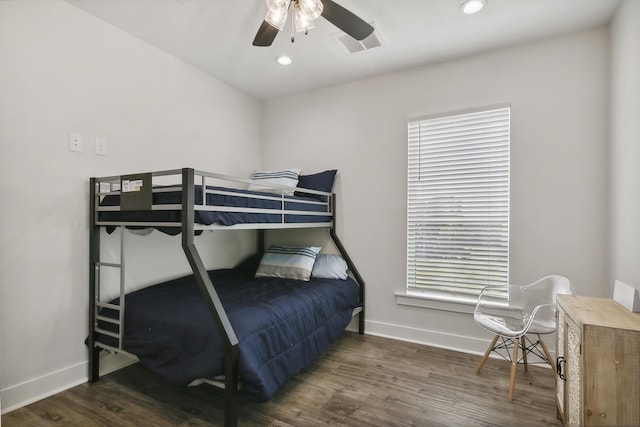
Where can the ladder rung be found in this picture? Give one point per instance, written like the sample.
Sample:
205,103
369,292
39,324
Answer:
109,320
105,332
115,350
107,305
108,264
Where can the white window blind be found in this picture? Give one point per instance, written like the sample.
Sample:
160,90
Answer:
458,203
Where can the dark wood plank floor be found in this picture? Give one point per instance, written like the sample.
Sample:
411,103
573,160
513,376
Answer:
360,381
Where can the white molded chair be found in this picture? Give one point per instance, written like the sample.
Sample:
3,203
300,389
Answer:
529,310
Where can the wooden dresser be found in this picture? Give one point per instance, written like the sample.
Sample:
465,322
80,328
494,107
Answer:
598,381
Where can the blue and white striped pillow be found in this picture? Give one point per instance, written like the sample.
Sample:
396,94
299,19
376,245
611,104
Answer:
288,177
288,262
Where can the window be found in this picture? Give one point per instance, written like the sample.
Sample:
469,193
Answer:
458,203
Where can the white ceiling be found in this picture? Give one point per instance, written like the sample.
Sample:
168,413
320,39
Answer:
216,36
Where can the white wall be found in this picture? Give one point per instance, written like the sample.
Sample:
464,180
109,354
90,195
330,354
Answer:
625,144
63,70
558,91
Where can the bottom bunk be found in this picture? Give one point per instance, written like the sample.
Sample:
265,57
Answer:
282,325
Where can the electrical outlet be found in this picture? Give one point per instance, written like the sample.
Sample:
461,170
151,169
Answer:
75,142
101,146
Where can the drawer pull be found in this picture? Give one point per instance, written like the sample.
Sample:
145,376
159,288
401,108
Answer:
559,363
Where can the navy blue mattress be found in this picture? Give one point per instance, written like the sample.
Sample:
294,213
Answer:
282,326
239,199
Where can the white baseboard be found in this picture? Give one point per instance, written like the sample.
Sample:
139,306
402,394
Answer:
19,395
462,343
465,344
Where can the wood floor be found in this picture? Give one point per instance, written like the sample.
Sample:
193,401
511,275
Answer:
359,381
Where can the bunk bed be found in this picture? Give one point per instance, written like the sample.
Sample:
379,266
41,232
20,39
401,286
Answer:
258,331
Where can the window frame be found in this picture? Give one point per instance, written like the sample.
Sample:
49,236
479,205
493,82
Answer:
453,300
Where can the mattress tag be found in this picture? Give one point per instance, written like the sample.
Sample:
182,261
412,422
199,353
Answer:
131,185
136,192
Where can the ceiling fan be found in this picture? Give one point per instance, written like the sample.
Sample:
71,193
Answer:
305,12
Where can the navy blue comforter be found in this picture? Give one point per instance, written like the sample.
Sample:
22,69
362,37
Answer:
236,198
282,326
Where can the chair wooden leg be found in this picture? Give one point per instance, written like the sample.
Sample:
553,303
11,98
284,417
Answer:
547,354
514,365
487,353
524,353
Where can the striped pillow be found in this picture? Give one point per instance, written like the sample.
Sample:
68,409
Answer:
288,177
288,262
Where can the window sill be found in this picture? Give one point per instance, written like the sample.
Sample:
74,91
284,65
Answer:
435,301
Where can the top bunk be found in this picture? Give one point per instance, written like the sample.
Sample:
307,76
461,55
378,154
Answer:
170,199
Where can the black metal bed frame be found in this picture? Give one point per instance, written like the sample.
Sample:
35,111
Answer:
203,280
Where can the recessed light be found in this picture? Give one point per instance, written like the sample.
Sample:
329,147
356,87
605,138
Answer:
472,6
283,60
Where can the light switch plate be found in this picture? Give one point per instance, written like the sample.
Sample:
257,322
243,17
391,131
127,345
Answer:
101,146
75,142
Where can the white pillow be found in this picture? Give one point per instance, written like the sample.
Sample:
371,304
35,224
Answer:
287,177
329,266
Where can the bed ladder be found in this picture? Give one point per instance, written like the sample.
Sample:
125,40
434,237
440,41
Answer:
94,277
96,305
117,322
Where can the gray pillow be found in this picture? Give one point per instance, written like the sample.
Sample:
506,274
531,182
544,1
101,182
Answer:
330,266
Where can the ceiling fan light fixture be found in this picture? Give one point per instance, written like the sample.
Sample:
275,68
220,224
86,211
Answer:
470,7
301,22
312,9
277,4
277,16
305,13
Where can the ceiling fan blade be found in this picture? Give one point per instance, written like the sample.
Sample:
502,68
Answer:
266,34
346,20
